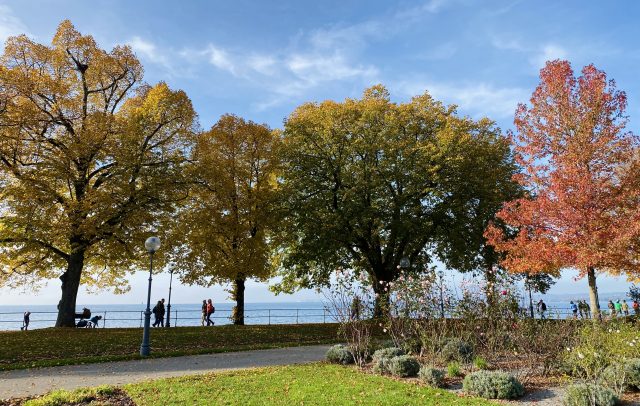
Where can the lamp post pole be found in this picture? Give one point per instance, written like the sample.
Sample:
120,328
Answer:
441,275
152,244
169,303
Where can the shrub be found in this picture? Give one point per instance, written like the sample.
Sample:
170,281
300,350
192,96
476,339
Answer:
382,357
480,363
432,377
340,354
456,349
622,376
589,394
404,366
599,346
454,369
492,385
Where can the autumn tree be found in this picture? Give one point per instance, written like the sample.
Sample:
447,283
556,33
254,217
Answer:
580,171
225,224
367,182
90,162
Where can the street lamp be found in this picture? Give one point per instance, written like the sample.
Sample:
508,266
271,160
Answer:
169,303
152,244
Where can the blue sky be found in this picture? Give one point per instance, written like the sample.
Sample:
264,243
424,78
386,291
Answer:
260,59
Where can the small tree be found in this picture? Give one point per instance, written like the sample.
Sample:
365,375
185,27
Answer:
580,171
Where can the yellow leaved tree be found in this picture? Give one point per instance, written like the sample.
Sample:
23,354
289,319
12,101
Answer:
90,162
223,229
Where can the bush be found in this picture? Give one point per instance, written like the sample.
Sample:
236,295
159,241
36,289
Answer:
432,377
456,349
492,385
454,369
622,376
404,366
480,363
589,395
600,345
382,357
340,354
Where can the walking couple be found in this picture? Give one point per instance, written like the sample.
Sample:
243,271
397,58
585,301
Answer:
207,310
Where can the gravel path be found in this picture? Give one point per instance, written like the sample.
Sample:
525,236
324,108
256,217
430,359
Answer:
33,382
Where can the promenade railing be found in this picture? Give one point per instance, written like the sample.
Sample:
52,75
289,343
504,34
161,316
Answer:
193,317
179,317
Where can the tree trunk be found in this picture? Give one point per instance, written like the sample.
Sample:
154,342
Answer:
238,296
70,285
490,288
381,306
593,294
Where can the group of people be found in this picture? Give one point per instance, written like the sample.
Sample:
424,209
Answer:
207,310
158,313
582,310
621,308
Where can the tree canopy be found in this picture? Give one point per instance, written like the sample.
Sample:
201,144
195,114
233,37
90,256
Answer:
223,227
367,182
581,174
90,162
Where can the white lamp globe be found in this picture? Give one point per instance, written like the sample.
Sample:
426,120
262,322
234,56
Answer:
152,244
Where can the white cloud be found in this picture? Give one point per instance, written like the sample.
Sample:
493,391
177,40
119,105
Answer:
219,58
264,64
146,49
477,99
10,25
548,52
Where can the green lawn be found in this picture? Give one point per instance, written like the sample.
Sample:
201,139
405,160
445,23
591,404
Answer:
47,347
311,384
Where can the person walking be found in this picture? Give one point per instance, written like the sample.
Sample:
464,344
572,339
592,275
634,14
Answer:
612,309
158,312
587,309
203,316
636,306
625,308
542,308
210,310
580,309
25,320
618,307
574,309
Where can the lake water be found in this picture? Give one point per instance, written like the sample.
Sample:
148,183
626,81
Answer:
131,315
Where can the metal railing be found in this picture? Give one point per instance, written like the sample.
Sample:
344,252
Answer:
193,317
179,317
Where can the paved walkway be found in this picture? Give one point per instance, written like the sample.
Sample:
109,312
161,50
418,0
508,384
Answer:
33,382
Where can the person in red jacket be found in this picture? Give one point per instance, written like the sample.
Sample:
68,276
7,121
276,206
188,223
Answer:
210,310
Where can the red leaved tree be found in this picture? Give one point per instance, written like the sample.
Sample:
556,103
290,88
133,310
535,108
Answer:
580,171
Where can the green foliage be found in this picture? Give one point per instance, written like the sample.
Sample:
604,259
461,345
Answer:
404,366
313,384
600,345
456,349
382,357
589,395
634,292
454,369
622,376
339,354
480,363
432,376
368,178
492,385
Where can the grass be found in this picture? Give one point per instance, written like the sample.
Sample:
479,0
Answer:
50,347
310,384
